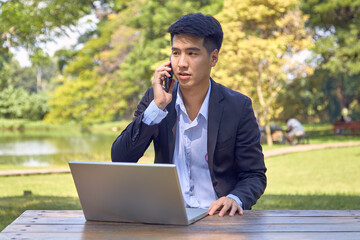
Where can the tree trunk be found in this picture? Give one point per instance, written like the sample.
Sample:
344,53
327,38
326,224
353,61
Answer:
268,135
265,112
38,79
339,93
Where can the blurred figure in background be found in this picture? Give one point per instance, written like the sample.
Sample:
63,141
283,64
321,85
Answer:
345,117
294,129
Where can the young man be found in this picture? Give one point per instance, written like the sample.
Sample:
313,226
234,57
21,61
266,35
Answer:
207,130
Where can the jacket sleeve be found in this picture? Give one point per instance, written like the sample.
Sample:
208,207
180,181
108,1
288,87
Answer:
249,160
137,136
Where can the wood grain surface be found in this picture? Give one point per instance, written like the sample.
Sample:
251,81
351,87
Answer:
270,224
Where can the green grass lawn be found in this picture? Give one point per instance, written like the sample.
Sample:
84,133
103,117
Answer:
56,191
321,179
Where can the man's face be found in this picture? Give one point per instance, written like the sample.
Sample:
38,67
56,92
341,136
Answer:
190,61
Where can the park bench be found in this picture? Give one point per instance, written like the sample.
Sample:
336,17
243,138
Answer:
303,139
340,126
279,135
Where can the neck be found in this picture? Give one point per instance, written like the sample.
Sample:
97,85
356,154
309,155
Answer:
193,99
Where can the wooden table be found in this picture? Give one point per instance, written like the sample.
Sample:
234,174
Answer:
277,224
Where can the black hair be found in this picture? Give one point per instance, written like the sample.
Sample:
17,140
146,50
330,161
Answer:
199,25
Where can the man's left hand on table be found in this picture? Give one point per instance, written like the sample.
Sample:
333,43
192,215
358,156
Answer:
225,204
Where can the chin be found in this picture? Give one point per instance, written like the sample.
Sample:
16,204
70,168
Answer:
185,84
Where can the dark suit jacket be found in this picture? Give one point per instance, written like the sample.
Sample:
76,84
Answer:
235,158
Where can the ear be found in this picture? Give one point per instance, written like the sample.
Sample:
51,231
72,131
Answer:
214,57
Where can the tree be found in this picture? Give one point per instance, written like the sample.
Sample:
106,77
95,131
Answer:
337,47
18,103
29,24
25,77
90,89
261,41
106,79
40,60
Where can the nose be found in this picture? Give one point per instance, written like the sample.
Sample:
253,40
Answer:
183,63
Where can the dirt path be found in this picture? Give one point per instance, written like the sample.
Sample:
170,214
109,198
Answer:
267,154
32,171
307,147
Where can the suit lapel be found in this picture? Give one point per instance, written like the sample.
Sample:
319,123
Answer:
171,123
214,119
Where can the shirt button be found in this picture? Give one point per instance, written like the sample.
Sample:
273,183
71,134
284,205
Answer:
154,113
187,151
191,193
187,130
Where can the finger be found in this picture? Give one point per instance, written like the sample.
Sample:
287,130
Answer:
212,210
166,63
172,85
162,68
167,73
160,76
224,210
214,207
233,210
241,211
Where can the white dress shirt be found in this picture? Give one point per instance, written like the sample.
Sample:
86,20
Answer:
190,153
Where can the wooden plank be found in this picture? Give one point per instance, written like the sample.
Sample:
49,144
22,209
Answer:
50,220
272,224
159,235
53,213
213,228
214,220
267,213
304,213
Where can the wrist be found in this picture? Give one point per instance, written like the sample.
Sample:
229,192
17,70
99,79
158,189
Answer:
161,105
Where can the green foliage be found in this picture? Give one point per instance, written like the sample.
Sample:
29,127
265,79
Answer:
63,58
262,39
23,22
106,79
20,90
26,77
29,24
18,103
336,27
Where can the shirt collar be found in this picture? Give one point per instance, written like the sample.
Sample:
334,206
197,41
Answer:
179,104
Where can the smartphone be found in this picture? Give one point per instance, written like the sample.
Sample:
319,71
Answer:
168,80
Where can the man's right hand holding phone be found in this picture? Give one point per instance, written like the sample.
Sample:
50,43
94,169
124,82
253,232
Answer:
161,97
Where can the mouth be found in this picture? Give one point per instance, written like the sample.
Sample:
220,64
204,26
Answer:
184,75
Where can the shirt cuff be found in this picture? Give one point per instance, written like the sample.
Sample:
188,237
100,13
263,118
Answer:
153,115
236,199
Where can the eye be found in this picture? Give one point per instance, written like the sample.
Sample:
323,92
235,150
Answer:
193,53
175,53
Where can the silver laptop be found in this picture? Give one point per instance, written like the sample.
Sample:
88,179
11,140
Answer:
132,192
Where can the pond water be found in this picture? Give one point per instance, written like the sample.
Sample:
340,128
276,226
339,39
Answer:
41,150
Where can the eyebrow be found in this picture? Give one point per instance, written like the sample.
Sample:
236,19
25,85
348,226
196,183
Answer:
187,49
